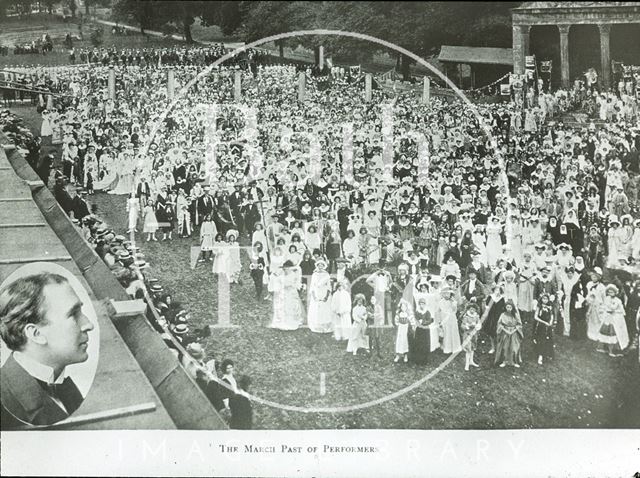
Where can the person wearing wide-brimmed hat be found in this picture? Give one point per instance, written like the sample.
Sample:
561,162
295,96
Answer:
287,306
612,334
319,312
447,321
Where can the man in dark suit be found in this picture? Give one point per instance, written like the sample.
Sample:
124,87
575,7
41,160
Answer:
143,191
205,204
78,205
41,321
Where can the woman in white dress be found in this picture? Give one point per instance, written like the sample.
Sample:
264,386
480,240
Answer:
220,256
448,322
613,333
319,313
494,242
341,311
312,238
480,243
234,266
133,209
45,128
109,171
125,175
350,248
150,224
357,334
287,306
259,235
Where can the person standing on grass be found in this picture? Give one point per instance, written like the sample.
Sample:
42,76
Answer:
509,337
150,221
543,329
341,311
402,321
448,322
357,332
207,234
470,326
613,332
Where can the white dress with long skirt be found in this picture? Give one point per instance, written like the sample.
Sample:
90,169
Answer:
341,312
319,314
449,324
150,221
220,257
132,207
494,244
287,306
358,338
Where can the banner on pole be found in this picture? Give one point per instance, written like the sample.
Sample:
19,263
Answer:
530,61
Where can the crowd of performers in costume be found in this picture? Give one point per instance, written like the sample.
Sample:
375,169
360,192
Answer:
443,255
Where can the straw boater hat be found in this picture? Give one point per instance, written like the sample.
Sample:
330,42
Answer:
196,350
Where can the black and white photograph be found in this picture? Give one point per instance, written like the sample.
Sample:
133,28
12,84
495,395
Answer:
361,220
49,350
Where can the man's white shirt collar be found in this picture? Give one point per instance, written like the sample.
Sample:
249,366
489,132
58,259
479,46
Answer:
39,371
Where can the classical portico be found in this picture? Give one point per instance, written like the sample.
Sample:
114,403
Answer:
563,15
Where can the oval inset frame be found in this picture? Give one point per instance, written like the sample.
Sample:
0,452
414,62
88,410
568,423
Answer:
83,373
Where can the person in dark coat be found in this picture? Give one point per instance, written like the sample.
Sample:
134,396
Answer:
578,309
79,206
240,405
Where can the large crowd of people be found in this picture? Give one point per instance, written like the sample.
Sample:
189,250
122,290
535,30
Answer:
356,220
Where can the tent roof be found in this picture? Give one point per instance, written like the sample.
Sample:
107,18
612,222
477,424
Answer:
469,54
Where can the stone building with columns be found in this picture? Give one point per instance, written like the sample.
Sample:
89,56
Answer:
580,26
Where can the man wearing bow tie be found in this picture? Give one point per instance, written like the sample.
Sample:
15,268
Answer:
41,321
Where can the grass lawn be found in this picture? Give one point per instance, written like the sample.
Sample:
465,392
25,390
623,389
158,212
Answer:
581,388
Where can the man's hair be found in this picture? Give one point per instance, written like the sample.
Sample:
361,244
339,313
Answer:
22,303
244,382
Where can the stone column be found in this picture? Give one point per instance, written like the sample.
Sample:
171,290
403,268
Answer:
564,54
302,78
237,85
171,83
526,29
111,82
605,54
367,87
518,50
426,90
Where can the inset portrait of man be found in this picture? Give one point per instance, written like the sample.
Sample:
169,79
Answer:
43,324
